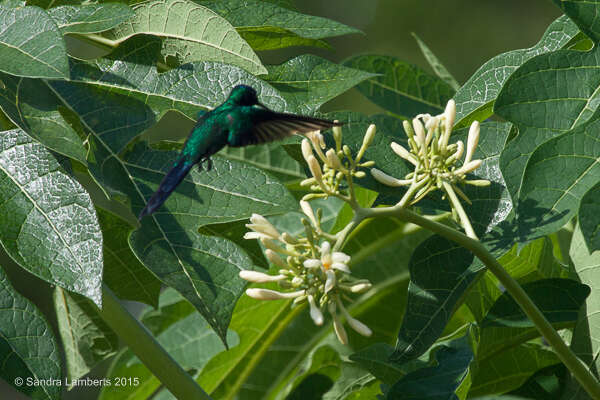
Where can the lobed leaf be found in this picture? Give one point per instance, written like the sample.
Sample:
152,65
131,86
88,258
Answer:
31,44
474,100
90,18
308,81
47,221
190,32
402,88
27,345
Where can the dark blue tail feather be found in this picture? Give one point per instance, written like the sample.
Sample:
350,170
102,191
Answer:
168,184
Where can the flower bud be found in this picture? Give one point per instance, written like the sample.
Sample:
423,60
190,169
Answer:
367,139
315,312
339,330
419,133
478,182
360,174
297,281
408,129
360,287
289,239
468,167
330,282
308,182
334,160
405,154
359,326
267,294
275,259
306,149
472,141
449,115
384,178
308,211
259,277
337,136
315,168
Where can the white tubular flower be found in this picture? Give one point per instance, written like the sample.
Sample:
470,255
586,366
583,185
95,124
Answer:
306,149
315,312
259,277
340,332
449,116
330,282
260,225
388,180
334,160
308,211
315,168
337,135
472,141
354,323
275,259
419,133
360,287
336,260
402,152
468,167
267,294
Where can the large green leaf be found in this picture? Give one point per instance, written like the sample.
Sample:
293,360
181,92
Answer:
510,369
32,106
27,345
249,14
559,173
47,221
441,381
191,32
558,299
403,89
123,272
474,100
435,64
309,81
586,336
536,100
31,44
584,13
90,18
86,338
188,340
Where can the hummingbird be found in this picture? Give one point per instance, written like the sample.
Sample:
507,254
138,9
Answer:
241,120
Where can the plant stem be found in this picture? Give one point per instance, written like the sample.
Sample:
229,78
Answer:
95,39
564,353
149,351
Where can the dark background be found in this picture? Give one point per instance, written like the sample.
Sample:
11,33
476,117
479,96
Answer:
463,34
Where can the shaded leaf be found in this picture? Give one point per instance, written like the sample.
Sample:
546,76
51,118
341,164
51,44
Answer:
271,38
509,369
584,14
31,44
474,100
27,345
403,89
33,107
309,81
47,221
557,299
123,272
90,18
324,370
191,33
589,218
86,338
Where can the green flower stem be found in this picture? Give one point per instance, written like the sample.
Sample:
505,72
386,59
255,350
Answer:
564,353
148,350
464,218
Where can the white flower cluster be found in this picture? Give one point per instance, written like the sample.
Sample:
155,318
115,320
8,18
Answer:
433,158
310,271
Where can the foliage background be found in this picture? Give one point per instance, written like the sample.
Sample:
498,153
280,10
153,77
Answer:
462,34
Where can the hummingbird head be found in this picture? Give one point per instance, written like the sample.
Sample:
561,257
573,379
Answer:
243,95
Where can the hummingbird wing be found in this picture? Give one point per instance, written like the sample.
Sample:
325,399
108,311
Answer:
268,126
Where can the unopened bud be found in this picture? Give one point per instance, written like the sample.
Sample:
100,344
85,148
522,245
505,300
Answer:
478,182
308,182
419,133
315,168
408,129
337,136
289,239
340,332
315,312
330,282
259,277
333,159
387,180
306,149
403,153
472,141
367,139
468,167
360,287
267,294
308,211
360,174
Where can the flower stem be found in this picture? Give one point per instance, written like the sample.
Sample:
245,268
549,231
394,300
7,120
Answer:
464,218
575,365
149,351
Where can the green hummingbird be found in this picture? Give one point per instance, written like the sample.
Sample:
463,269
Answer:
240,121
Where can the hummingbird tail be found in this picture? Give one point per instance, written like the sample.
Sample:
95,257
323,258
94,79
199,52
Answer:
169,183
